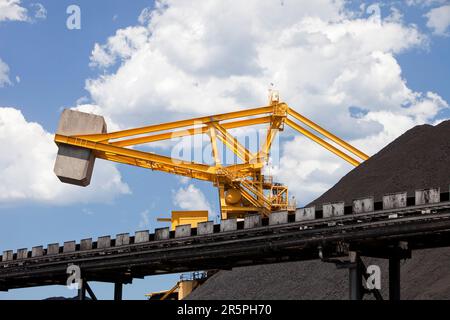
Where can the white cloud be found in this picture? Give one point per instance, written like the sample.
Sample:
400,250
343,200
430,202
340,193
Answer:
26,169
122,45
12,10
191,198
4,74
439,20
201,58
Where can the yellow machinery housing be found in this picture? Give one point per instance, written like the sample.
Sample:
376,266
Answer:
243,189
186,217
186,284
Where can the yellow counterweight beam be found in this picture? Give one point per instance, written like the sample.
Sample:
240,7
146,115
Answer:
110,150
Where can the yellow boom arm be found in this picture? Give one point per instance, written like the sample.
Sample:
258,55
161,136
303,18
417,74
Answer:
242,187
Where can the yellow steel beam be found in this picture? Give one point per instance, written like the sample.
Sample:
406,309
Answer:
268,142
233,144
164,297
328,134
240,167
322,142
215,151
246,122
260,195
223,204
156,166
240,209
271,132
160,137
177,124
188,132
257,203
140,155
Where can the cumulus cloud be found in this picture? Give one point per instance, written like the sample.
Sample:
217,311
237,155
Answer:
191,198
122,45
192,58
26,167
4,74
12,10
439,20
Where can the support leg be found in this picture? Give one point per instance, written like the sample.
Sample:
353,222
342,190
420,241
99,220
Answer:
118,291
82,290
355,281
394,278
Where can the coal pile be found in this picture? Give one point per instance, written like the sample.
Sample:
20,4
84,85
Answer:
418,159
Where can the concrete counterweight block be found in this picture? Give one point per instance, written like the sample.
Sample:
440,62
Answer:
73,164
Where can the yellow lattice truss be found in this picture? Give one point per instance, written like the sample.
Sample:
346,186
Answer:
243,189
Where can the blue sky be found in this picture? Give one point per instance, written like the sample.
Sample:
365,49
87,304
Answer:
52,64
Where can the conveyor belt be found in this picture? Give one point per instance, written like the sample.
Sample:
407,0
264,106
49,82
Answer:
420,226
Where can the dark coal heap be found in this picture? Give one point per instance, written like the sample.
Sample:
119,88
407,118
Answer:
418,159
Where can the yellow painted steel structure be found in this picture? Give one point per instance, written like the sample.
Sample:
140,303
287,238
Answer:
181,290
243,189
179,218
